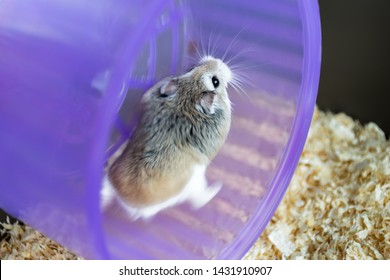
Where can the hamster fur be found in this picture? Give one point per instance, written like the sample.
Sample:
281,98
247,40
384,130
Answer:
184,122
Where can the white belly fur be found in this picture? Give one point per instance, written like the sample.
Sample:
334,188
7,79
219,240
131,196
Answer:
195,192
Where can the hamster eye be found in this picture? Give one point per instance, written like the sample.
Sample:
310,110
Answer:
215,81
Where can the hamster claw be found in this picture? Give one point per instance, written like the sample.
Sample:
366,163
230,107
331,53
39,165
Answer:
202,198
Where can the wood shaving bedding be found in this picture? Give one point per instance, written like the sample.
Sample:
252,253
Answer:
336,207
21,242
338,203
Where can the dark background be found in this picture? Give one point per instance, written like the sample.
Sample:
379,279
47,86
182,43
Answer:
355,74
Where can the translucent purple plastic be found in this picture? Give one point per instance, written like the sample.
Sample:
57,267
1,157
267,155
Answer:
71,75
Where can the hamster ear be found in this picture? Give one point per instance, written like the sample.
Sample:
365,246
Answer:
168,88
207,102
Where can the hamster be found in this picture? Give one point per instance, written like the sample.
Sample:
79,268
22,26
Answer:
183,124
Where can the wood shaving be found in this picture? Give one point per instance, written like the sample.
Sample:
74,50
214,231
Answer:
336,207
21,242
338,203
280,237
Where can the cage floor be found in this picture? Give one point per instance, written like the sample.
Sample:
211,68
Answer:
336,207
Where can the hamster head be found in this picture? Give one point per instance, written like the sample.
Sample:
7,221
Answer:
215,74
203,89
211,78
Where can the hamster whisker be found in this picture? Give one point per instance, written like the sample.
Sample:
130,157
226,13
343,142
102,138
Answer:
212,46
238,87
200,50
238,55
200,47
239,81
243,67
232,43
215,47
193,60
244,80
209,43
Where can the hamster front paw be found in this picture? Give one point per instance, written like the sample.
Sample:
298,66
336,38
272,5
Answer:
107,193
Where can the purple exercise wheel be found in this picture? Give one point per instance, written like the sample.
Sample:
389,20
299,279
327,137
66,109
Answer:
71,74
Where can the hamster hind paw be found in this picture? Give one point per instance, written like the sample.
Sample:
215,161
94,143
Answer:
201,198
146,213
